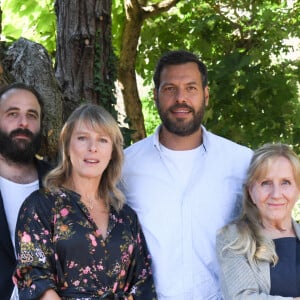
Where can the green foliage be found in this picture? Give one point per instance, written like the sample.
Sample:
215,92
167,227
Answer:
150,114
256,104
118,16
32,19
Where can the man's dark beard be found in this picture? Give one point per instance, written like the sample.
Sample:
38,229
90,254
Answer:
181,127
18,150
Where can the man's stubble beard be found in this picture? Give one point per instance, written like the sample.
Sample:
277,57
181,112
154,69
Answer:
181,127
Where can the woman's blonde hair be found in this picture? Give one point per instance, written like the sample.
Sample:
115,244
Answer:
97,118
250,240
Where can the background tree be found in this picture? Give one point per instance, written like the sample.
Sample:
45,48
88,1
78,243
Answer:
85,63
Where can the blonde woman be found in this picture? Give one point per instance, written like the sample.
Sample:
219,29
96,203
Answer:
76,238
259,254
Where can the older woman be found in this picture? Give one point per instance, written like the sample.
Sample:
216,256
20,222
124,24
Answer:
259,254
76,239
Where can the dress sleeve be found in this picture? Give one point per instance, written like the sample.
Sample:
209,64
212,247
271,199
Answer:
239,280
35,271
140,279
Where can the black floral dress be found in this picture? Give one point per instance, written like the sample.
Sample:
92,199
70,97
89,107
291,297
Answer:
59,246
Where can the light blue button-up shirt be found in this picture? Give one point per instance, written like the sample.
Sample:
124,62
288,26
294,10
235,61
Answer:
180,222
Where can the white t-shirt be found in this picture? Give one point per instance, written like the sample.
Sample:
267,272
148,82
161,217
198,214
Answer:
180,162
13,195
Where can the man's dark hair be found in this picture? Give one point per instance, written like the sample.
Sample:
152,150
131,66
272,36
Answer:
23,86
177,58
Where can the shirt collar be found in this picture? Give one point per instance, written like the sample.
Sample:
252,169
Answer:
157,144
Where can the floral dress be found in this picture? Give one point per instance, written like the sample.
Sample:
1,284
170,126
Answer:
59,246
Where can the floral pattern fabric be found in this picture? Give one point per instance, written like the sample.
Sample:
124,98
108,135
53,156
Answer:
59,246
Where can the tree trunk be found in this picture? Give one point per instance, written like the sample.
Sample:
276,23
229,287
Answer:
84,57
126,73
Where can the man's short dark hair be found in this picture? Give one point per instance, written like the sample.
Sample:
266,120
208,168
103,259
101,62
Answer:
177,58
23,86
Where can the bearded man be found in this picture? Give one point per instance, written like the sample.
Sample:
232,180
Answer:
21,172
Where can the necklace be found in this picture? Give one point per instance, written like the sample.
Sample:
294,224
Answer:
90,202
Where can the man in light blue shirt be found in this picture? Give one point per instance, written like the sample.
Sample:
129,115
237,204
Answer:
184,182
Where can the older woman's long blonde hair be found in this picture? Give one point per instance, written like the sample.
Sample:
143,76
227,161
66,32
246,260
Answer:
250,240
97,118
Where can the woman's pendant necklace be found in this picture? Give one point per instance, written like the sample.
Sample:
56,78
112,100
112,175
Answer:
90,203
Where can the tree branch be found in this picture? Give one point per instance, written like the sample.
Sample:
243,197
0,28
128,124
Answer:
158,8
